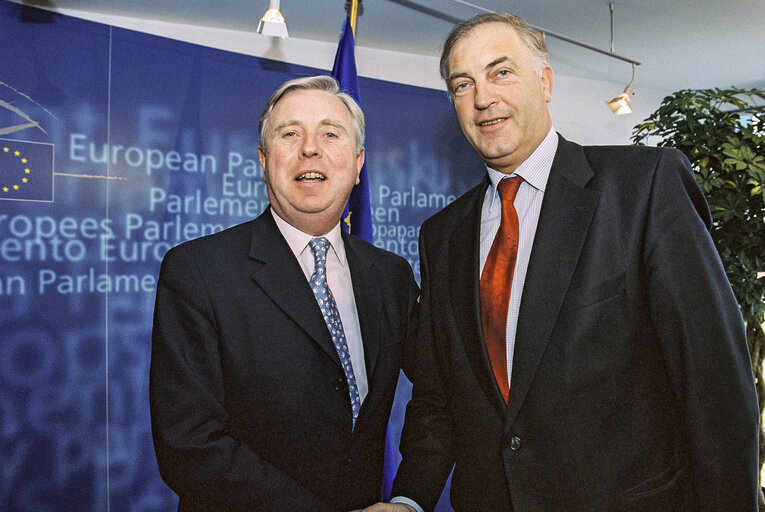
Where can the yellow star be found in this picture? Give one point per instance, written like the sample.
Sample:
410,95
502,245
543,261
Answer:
5,189
17,153
27,171
24,179
15,187
23,160
6,150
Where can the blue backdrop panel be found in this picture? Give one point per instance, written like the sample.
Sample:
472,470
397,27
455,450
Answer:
135,143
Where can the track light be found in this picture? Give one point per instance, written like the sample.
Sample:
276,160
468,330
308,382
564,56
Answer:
621,104
272,23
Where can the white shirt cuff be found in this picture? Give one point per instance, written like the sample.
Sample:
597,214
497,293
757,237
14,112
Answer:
407,501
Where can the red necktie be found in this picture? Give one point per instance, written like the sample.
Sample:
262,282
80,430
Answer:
497,280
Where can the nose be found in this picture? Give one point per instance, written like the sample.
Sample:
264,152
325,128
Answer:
484,96
310,146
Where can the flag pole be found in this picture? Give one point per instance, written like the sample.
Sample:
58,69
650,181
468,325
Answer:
353,13
357,218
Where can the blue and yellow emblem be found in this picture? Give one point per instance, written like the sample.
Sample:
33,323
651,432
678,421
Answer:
26,170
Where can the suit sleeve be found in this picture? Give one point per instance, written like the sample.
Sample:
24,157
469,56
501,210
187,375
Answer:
197,456
701,333
428,437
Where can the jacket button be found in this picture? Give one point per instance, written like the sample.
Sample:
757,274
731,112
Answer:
515,443
339,384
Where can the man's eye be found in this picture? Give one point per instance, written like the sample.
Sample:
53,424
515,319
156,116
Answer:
461,87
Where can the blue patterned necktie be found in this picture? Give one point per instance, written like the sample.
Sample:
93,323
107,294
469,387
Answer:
331,315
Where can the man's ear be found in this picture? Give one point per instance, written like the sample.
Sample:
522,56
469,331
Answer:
262,160
548,79
359,164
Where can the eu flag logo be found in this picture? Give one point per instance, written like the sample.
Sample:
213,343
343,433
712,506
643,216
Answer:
26,170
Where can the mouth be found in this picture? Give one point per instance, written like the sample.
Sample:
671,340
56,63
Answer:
492,122
311,176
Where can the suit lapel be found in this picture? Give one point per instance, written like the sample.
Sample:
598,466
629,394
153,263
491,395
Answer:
366,293
464,258
278,273
371,311
564,221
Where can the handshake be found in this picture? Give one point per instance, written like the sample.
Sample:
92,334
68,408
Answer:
388,507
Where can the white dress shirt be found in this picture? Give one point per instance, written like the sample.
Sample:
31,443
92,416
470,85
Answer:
339,282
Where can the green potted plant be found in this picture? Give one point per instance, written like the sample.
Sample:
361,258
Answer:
722,132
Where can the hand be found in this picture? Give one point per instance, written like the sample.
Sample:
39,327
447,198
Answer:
388,507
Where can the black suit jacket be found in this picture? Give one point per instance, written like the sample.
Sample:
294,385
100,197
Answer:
631,385
249,404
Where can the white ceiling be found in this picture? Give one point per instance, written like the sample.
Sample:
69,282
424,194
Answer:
680,43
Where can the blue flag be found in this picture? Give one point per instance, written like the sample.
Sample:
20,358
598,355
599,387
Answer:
26,170
357,218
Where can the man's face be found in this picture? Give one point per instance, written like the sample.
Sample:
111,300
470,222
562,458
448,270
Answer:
310,163
501,101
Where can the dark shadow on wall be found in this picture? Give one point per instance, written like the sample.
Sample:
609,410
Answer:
37,11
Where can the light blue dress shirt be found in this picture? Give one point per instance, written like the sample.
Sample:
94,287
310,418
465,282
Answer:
535,171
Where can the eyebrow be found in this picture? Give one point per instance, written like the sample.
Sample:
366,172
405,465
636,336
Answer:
290,122
496,61
490,65
336,124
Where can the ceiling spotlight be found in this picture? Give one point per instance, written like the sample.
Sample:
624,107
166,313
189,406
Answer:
272,23
621,104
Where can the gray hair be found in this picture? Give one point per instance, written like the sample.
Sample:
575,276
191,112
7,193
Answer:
321,83
533,39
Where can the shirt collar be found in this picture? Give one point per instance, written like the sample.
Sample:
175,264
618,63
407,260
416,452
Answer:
535,170
298,240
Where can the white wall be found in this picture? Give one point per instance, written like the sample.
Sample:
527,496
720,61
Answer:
580,113
578,108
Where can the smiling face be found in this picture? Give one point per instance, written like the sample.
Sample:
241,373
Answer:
499,95
310,163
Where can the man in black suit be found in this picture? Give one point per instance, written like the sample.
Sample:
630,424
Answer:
621,379
268,390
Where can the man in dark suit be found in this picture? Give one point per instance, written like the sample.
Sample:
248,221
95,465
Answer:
580,348
277,343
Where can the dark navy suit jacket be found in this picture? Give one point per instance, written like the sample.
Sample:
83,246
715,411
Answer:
249,404
631,385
